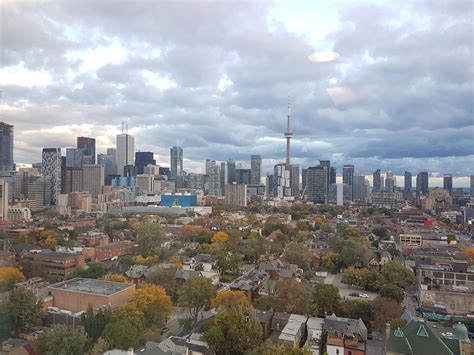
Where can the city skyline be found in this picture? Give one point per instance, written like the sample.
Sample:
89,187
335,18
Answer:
356,109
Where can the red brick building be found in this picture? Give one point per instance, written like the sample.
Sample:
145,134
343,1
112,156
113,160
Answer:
54,265
107,252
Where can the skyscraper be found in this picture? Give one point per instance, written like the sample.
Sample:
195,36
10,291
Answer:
88,147
327,165
176,166
214,179
408,181
109,161
390,182
142,159
295,180
3,200
332,175
360,192
74,157
422,183
71,180
377,181
125,153
223,178
243,176
93,179
282,180
472,186
6,150
316,184
448,182
256,168
231,174
51,167
348,177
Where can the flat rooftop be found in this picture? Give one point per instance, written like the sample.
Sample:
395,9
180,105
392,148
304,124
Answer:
92,286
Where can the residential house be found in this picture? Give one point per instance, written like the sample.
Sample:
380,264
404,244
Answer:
345,336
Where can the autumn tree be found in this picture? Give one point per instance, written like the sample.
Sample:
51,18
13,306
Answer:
392,292
9,276
149,238
220,238
126,329
155,304
24,309
327,298
270,348
356,309
370,280
61,340
235,329
195,295
297,253
268,302
397,274
117,278
385,310
164,278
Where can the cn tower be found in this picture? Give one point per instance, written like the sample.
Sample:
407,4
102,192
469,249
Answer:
288,136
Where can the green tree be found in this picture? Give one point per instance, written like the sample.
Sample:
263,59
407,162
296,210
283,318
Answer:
385,310
164,278
397,274
270,302
234,331
24,309
94,271
149,239
370,280
61,340
326,228
94,324
380,232
196,294
100,347
123,335
327,298
229,263
297,253
270,348
392,292
254,247
356,309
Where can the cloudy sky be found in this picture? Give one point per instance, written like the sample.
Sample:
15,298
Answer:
214,77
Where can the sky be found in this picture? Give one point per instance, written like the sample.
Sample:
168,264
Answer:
214,77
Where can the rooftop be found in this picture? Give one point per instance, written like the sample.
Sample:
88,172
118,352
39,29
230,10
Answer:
92,286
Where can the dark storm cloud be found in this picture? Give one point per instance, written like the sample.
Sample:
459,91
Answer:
212,77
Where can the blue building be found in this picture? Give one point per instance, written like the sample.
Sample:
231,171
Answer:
178,200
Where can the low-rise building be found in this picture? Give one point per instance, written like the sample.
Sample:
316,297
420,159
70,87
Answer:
109,251
315,331
345,335
54,265
76,294
411,240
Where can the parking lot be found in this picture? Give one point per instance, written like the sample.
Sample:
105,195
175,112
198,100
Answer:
345,290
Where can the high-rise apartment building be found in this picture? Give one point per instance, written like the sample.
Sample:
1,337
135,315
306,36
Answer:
360,189
390,182
422,183
377,181
236,195
408,181
448,182
295,180
282,180
214,180
3,200
87,145
348,177
256,169
231,174
125,153
7,165
143,159
93,179
316,184
51,167
176,166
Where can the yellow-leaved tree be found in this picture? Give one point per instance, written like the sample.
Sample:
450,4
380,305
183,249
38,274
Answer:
220,237
155,304
117,278
10,276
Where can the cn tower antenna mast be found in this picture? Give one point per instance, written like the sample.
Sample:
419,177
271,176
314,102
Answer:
288,134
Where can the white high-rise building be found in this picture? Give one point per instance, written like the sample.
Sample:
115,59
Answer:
125,152
3,200
51,167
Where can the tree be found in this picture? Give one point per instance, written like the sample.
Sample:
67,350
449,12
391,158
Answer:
380,232
385,310
270,302
164,278
94,324
327,298
370,280
155,304
392,292
234,332
10,276
254,247
94,271
123,335
117,278
356,309
196,294
351,231
231,300
297,253
326,228
149,239
397,274
270,348
351,252
100,347
228,262
220,238
24,309
61,340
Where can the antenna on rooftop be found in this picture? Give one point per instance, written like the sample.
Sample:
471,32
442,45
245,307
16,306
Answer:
123,126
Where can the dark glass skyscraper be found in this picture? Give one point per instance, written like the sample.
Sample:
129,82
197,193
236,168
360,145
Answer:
327,165
448,182
348,177
377,181
256,169
231,176
332,175
316,184
408,181
422,183
6,150
142,159
176,166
